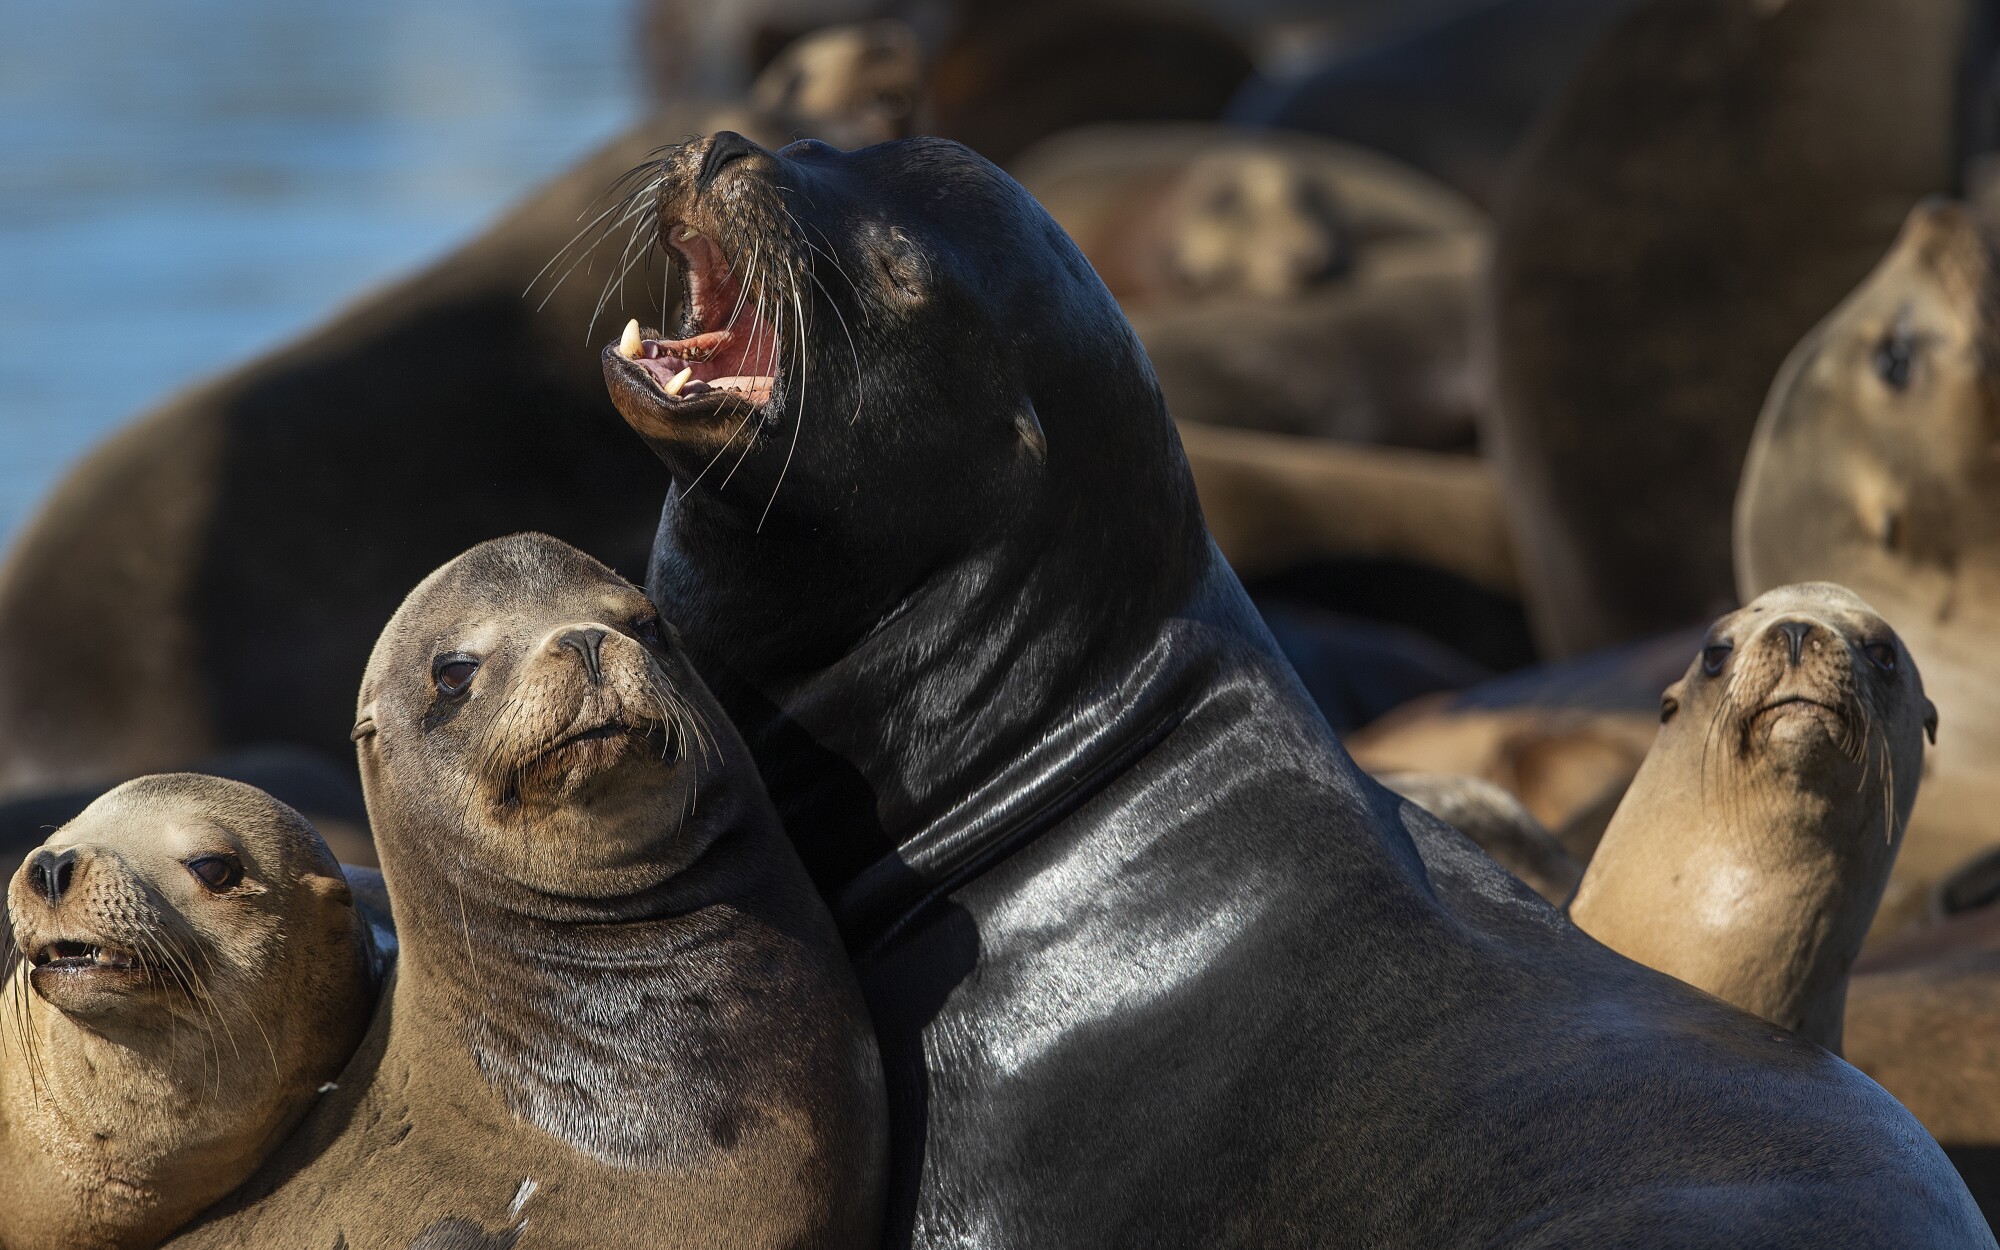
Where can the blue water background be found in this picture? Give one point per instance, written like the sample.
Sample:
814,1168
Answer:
185,185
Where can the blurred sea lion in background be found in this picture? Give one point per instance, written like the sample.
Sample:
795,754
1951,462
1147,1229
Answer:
1498,824
1280,281
1565,738
1877,462
263,525
1749,854
187,967
1717,175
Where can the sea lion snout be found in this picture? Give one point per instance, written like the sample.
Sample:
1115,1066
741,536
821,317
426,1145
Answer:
724,148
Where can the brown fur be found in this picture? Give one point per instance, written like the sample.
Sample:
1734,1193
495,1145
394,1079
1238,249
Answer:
1752,848
125,1109
1895,490
620,1015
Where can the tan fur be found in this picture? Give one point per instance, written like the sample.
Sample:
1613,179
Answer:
620,1016
1749,854
1568,766
1896,492
124,1112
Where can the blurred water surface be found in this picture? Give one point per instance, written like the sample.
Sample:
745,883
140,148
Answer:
185,185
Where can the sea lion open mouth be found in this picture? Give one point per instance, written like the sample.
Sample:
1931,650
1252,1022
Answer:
726,350
83,957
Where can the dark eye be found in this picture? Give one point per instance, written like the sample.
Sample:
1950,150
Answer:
647,630
453,673
1714,656
1881,655
1892,357
217,872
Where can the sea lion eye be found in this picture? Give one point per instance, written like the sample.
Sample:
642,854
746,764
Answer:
1881,655
1714,656
453,673
217,872
647,630
1893,356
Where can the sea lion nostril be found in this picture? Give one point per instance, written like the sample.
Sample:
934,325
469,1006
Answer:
1796,633
52,873
727,146
587,643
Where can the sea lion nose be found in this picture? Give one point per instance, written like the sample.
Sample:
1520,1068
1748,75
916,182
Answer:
51,872
1796,633
725,147
586,643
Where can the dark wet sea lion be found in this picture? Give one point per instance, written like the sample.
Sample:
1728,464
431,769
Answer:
265,524
1152,963
187,968
1875,463
620,1015
1717,176
1749,854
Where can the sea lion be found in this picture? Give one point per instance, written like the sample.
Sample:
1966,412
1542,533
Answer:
620,1015
188,968
1102,866
265,524
1281,282
1750,851
1498,824
1717,175
1874,464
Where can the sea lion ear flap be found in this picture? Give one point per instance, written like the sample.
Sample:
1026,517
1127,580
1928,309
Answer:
1930,721
331,888
364,725
1670,702
1029,426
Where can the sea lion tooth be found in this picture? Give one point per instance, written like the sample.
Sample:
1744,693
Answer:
628,345
675,383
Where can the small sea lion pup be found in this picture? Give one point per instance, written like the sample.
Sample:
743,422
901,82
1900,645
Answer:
1749,855
188,968
1150,961
620,1015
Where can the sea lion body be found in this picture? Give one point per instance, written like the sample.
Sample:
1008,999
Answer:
1873,465
620,1016
187,967
1749,854
1150,961
1717,175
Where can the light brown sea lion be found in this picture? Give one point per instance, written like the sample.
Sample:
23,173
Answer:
1877,463
1716,177
1499,824
620,1015
1280,281
264,525
1749,854
188,968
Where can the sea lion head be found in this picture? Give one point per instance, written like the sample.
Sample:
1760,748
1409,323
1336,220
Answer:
188,972
192,901
1876,461
893,350
1809,688
527,720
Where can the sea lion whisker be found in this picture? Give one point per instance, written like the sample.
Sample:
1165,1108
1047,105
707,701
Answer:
619,207
799,415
